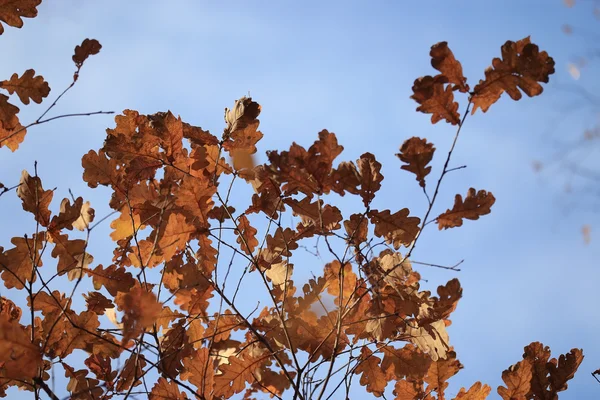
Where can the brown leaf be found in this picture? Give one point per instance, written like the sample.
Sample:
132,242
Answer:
397,229
357,229
408,390
443,60
10,309
140,311
434,99
11,12
10,125
72,257
97,302
166,390
28,86
35,199
417,153
199,371
517,379
440,371
522,66
370,177
78,216
246,235
476,392
15,263
475,205
115,279
372,376
87,48
235,373
19,358
550,376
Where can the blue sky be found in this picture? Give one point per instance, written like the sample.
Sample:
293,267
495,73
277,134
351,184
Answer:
348,67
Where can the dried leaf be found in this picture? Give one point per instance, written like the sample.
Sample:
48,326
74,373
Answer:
417,153
87,48
12,11
522,66
517,379
475,205
397,229
27,87
436,99
443,60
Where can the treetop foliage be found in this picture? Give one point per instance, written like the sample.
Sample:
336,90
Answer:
178,328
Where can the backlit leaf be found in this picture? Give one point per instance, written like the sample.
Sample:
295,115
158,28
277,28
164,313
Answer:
475,205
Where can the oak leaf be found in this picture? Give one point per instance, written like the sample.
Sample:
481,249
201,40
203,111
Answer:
475,205
19,358
522,66
357,227
436,99
397,229
417,153
408,390
235,374
476,392
370,177
199,370
517,379
16,263
11,12
114,278
10,309
35,199
440,371
408,362
87,48
12,133
431,339
372,376
78,216
97,302
246,235
166,390
443,60
550,376
140,310
27,87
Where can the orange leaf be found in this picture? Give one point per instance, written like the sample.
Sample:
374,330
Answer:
372,375
15,263
476,392
235,373
434,99
141,309
440,371
443,60
371,177
475,205
166,390
397,229
246,235
19,358
97,302
27,86
417,153
199,371
11,12
35,199
517,379
522,66
115,279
